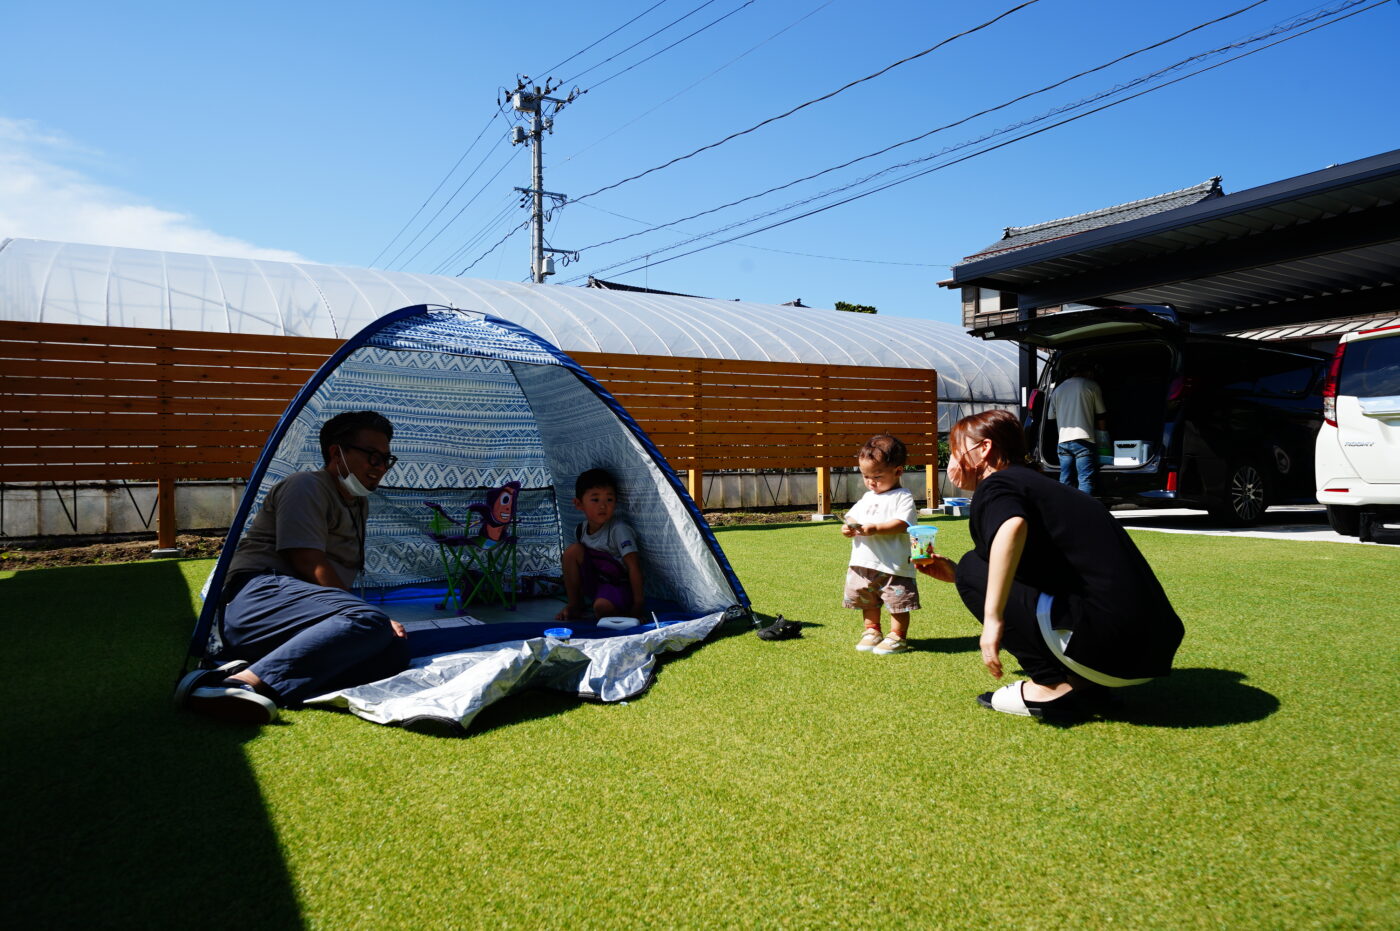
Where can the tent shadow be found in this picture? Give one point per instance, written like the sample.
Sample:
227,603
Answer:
118,801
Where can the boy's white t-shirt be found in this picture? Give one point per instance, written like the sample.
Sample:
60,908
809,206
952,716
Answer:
885,552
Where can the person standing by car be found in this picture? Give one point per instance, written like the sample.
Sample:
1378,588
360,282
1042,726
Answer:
1053,578
1077,408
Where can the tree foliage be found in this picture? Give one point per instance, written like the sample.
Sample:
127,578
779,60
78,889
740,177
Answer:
856,308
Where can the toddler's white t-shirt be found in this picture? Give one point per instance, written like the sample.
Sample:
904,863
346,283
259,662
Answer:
885,552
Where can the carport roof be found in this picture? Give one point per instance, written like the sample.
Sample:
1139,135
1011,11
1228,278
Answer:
1313,247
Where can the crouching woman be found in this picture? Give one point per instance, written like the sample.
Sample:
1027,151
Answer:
1054,579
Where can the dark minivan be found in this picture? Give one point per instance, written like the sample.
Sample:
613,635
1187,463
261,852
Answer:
1197,421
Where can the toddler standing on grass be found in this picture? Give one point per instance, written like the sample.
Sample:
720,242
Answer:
880,572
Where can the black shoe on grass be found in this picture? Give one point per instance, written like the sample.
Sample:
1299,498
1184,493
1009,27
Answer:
780,630
193,680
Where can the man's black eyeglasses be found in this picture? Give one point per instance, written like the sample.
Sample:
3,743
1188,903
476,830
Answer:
376,458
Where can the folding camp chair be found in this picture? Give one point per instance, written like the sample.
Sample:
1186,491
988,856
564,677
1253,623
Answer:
483,551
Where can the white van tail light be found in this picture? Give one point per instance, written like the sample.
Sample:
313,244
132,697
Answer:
1329,386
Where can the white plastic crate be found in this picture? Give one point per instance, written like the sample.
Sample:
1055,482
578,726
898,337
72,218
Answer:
1130,452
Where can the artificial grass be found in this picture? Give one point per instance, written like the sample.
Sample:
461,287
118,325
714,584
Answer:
795,783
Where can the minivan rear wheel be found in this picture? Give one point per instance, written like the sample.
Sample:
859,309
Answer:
1344,519
1246,497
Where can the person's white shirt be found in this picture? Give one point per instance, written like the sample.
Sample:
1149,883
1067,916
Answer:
884,552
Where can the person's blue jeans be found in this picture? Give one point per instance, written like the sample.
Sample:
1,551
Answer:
1082,457
306,640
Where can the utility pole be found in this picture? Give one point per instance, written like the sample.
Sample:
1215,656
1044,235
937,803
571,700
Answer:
531,100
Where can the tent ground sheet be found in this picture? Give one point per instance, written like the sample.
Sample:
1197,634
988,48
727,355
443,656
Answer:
463,664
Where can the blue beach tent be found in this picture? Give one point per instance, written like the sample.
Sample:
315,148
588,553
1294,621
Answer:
476,402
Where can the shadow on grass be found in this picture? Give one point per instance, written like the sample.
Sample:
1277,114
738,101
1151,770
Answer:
739,528
1196,698
945,644
122,812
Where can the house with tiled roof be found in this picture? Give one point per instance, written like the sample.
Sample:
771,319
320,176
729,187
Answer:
984,307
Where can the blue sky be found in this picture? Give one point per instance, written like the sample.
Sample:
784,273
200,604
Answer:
317,129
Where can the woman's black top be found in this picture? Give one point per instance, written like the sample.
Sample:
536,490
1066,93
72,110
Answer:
1077,551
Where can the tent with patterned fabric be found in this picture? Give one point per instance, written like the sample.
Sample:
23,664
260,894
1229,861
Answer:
477,401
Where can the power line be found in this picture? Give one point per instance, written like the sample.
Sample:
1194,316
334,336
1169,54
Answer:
808,103
946,126
417,213
551,68
422,206
637,43
692,35
453,196
489,227
483,255
442,229
991,148
643,115
808,255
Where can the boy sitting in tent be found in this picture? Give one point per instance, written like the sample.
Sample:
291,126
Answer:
291,628
602,566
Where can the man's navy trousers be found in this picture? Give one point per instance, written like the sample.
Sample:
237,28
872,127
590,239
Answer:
306,640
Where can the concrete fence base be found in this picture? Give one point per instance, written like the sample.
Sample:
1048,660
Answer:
102,508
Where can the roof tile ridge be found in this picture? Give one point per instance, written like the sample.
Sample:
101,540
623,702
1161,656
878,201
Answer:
1210,187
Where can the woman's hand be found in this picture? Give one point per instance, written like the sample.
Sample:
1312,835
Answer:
990,644
940,567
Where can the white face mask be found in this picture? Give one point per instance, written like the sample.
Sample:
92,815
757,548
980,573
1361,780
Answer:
350,482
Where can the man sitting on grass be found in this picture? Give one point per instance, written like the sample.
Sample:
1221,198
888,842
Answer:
291,628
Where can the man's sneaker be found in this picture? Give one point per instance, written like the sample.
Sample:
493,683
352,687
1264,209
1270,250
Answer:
233,701
869,640
192,680
891,644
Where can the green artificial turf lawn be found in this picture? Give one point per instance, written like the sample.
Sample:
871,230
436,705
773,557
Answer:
797,783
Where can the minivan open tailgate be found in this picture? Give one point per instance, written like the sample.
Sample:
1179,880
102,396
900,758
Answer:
1055,331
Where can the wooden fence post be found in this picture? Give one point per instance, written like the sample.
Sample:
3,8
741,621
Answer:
695,476
165,483
823,472
933,494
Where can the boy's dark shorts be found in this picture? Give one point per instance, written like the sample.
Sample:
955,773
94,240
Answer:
869,588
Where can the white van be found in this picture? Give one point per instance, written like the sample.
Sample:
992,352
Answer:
1358,448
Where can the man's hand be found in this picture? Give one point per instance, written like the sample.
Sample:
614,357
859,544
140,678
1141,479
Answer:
849,530
398,629
940,567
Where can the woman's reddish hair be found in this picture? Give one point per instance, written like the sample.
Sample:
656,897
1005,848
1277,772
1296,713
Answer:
999,426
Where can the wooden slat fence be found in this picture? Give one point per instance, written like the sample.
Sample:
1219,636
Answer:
97,403
710,414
